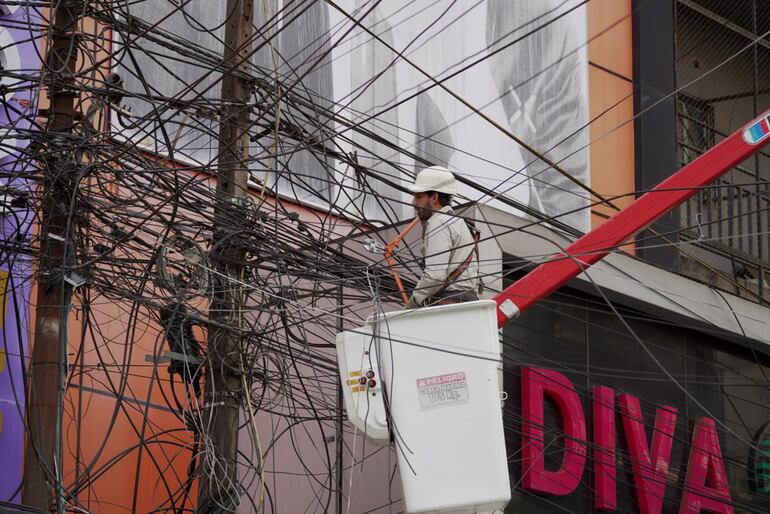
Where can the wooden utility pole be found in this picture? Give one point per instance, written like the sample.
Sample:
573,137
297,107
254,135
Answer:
59,168
219,488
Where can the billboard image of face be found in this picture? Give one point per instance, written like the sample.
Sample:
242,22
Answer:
424,77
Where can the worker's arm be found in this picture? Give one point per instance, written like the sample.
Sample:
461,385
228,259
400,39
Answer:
438,249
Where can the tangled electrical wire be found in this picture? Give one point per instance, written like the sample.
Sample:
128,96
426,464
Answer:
133,177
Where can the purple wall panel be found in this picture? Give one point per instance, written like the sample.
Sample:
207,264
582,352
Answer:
18,101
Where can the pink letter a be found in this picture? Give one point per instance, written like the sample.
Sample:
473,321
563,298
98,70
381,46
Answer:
705,465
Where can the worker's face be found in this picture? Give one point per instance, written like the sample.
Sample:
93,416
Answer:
425,204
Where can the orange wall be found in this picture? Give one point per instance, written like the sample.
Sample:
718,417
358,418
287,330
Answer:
111,435
103,437
610,74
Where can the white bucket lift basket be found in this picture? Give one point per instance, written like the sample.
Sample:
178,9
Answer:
426,380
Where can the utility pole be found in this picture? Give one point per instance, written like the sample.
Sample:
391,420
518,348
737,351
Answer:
219,489
59,167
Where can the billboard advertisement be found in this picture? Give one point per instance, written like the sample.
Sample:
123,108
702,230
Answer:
458,83
479,86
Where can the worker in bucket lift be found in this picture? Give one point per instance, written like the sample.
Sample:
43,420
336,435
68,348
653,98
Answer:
449,244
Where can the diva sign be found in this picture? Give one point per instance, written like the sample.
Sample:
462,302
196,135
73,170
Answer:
705,485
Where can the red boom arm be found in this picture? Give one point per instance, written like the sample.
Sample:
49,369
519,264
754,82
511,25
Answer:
593,246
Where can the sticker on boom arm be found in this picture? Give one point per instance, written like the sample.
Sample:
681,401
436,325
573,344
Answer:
758,131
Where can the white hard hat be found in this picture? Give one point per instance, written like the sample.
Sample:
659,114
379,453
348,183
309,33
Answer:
435,178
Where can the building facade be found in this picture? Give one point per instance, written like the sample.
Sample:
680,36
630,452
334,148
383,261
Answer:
642,385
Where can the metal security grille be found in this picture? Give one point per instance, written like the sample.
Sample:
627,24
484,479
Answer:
722,58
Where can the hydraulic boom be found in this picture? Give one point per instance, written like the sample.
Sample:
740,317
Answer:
593,246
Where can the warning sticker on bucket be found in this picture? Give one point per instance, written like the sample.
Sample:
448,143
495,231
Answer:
443,390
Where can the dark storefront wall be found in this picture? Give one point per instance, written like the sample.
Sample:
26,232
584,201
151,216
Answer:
580,337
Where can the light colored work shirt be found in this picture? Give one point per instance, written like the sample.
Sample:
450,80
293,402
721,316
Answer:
446,243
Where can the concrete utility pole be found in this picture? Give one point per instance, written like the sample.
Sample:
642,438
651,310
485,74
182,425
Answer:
59,167
219,490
